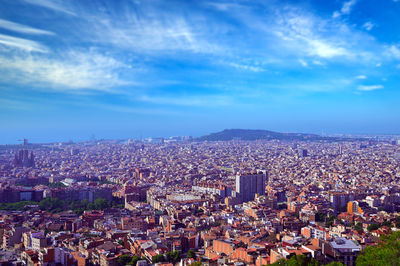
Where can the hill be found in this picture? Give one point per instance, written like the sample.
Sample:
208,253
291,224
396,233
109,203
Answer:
251,134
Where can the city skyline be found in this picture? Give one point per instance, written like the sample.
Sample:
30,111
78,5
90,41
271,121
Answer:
70,69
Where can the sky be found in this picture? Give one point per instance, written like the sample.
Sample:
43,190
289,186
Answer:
156,68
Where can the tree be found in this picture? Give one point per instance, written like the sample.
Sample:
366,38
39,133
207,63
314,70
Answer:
397,221
358,227
373,227
177,256
197,263
134,260
123,260
387,252
173,256
90,206
51,204
101,204
387,223
158,258
191,254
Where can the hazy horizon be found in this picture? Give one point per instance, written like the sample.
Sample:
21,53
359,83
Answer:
125,136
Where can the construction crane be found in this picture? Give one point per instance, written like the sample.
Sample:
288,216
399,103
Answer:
25,141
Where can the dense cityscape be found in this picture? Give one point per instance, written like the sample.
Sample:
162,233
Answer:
181,201
199,133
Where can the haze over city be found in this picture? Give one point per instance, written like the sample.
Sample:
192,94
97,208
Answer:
125,69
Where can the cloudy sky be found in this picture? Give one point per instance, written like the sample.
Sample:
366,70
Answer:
121,69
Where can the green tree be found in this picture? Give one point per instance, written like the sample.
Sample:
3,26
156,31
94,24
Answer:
197,263
358,227
397,221
56,185
387,252
158,258
134,260
101,204
334,263
173,256
191,254
123,260
84,203
387,223
372,227
51,204
177,256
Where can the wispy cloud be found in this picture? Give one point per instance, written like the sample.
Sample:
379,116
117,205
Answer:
303,32
370,87
154,34
361,77
55,5
73,72
24,44
345,10
246,67
225,6
368,25
9,25
303,63
393,51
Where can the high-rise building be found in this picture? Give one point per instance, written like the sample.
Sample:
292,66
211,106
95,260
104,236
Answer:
23,158
339,200
353,207
303,153
248,185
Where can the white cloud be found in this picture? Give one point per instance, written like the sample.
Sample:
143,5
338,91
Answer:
9,25
368,25
75,71
55,5
394,51
336,14
369,87
225,6
246,67
303,63
305,33
345,10
155,34
361,77
324,49
23,44
317,62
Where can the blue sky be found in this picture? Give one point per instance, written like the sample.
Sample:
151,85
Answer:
120,69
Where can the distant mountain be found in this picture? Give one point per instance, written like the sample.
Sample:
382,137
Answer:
250,134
